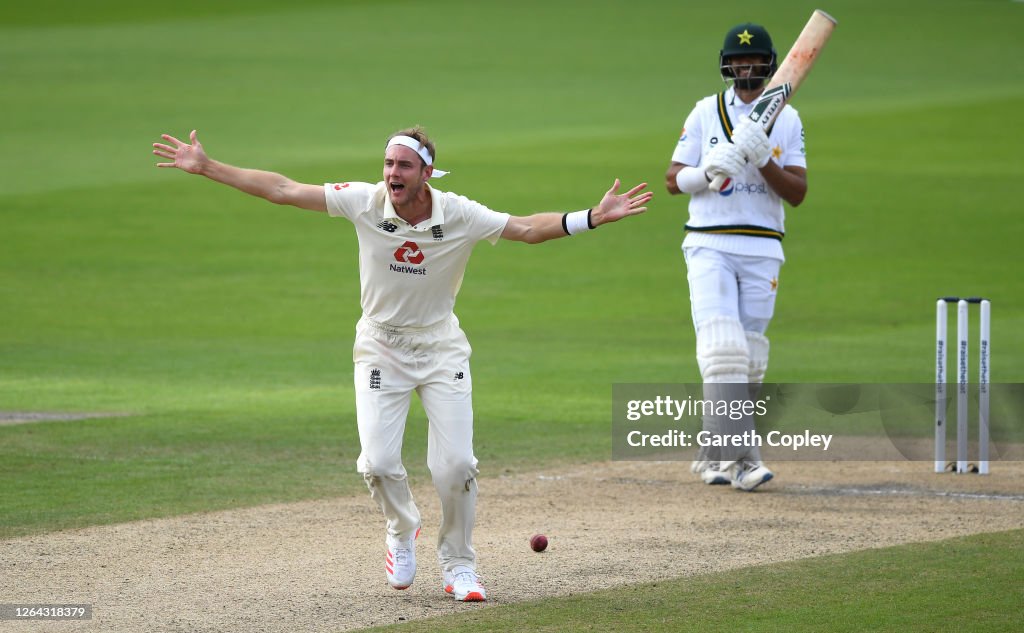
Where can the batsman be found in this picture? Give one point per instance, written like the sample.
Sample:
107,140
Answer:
733,238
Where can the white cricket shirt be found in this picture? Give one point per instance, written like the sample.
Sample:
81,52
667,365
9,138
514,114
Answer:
747,206
409,275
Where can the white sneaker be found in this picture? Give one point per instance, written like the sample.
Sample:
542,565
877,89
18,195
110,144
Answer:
710,473
749,475
400,563
463,583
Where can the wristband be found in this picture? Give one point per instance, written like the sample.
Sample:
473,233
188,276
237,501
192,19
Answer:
576,222
691,180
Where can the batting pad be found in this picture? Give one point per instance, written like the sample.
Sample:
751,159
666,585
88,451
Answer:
722,352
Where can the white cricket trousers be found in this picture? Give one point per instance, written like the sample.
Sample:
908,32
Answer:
391,363
740,289
723,284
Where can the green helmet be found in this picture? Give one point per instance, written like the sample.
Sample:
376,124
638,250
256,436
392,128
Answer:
747,39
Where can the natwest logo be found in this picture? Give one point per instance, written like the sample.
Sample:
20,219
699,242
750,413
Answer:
409,253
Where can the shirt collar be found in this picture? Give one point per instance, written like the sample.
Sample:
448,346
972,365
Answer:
436,209
736,103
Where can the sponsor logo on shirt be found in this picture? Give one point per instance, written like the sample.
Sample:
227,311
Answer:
754,189
340,186
409,253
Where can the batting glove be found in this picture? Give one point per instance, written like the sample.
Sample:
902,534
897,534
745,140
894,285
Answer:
750,138
725,159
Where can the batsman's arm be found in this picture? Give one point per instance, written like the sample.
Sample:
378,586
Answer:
273,187
790,182
687,179
541,227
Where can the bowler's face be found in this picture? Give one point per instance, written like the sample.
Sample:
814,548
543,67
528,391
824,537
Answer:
404,174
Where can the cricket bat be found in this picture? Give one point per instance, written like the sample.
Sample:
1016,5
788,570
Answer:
791,73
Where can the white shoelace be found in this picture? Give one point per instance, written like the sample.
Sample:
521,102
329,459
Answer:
402,555
466,576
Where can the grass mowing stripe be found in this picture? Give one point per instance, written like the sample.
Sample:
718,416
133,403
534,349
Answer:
50,13
973,583
123,469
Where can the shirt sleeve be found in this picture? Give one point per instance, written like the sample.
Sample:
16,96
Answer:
688,149
482,223
795,153
347,199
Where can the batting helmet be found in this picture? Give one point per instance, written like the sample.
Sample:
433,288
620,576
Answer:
747,39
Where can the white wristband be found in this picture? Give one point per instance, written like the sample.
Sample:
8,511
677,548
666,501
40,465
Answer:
691,180
577,222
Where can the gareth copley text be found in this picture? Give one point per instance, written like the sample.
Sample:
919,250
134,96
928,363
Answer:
733,409
679,439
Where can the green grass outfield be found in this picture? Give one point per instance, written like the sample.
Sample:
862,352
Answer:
223,324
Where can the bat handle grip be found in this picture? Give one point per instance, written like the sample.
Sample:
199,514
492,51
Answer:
717,183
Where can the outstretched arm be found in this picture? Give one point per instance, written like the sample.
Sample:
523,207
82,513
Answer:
192,158
541,227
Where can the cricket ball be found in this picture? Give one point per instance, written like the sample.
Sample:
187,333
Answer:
538,542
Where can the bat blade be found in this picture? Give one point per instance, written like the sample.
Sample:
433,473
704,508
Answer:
791,73
805,51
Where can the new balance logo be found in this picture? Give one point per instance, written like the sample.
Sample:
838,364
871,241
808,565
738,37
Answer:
437,232
374,379
459,375
387,226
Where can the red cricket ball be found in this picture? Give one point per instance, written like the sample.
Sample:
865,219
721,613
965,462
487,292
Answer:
538,542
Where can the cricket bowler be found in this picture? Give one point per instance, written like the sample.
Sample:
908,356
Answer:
414,244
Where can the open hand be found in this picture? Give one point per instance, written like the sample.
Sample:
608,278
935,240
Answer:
614,206
186,157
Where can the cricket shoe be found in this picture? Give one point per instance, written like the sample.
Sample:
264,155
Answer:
712,474
400,562
747,476
463,583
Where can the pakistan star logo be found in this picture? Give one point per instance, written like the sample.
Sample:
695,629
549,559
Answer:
745,37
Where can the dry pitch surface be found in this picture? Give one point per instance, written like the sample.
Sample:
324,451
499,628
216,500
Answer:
318,566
